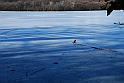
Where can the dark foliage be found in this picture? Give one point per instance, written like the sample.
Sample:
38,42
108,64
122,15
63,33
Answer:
113,5
49,5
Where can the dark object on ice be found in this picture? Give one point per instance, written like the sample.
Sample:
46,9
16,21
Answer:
118,23
55,63
121,23
43,69
74,42
37,71
97,48
26,74
12,69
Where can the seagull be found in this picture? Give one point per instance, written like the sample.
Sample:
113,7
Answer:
119,23
74,41
116,23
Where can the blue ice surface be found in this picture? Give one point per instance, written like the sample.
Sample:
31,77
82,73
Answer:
31,42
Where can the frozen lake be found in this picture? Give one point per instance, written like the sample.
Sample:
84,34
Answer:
36,47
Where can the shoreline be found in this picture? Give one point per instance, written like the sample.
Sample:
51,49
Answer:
40,5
